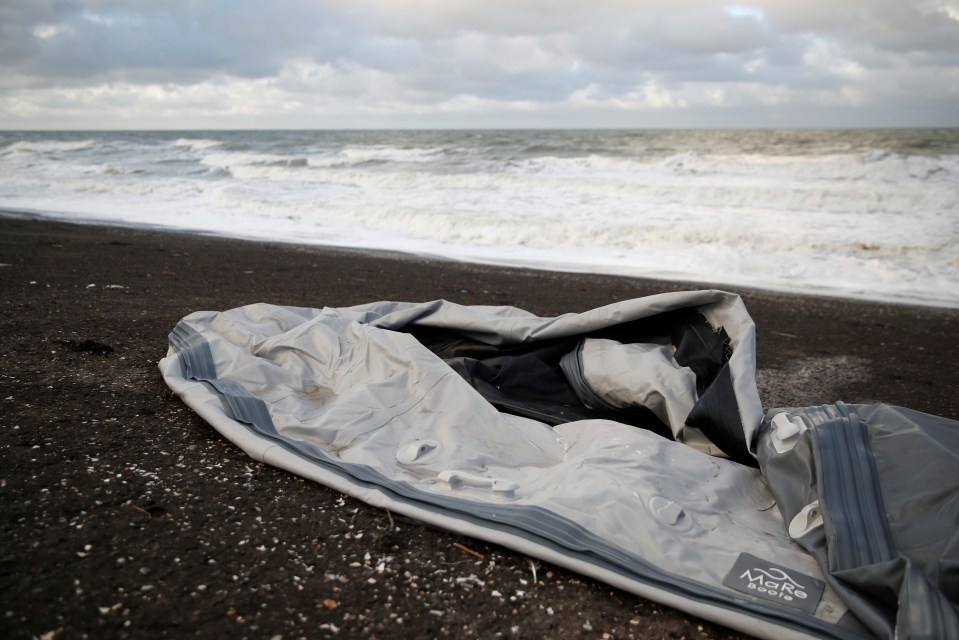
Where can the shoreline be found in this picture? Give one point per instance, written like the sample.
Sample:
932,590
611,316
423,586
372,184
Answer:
126,515
493,262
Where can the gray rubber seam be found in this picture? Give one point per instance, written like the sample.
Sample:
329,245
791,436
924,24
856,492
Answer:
572,365
849,491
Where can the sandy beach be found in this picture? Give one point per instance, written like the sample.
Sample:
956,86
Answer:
125,515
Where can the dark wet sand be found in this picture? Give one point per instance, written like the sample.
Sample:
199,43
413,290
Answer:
125,515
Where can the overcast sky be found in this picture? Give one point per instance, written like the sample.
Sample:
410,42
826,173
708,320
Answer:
477,63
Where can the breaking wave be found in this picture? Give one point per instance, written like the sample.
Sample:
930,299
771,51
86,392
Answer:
862,213
47,146
196,143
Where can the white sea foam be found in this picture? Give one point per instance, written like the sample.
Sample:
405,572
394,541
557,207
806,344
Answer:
863,222
231,161
196,143
384,153
47,146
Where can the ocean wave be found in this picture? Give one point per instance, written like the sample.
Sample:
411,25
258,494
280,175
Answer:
735,232
113,170
361,156
869,166
196,143
888,257
868,217
231,160
47,146
353,155
358,154
600,196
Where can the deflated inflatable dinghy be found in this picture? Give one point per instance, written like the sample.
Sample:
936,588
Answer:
627,443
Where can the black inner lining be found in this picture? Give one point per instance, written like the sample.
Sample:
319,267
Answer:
526,379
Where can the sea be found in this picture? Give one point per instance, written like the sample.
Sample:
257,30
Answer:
855,213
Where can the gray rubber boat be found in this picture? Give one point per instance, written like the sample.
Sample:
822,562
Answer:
627,443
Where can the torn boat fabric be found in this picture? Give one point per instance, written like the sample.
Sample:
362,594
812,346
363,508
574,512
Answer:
627,443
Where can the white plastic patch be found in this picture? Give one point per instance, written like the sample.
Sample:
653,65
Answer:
671,514
459,479
417,452
786,431
809,518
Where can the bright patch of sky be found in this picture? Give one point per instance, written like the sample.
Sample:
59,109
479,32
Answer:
741,10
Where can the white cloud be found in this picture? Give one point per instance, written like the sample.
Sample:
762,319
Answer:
832,60
949,9
649,95
47,31
179,63
95,18
741,10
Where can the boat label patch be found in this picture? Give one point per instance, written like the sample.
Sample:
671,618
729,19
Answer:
774,582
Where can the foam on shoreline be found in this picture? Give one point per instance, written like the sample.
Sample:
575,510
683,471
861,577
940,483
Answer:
820,212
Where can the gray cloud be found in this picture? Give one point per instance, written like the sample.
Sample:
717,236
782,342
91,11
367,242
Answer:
168,40
413,58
